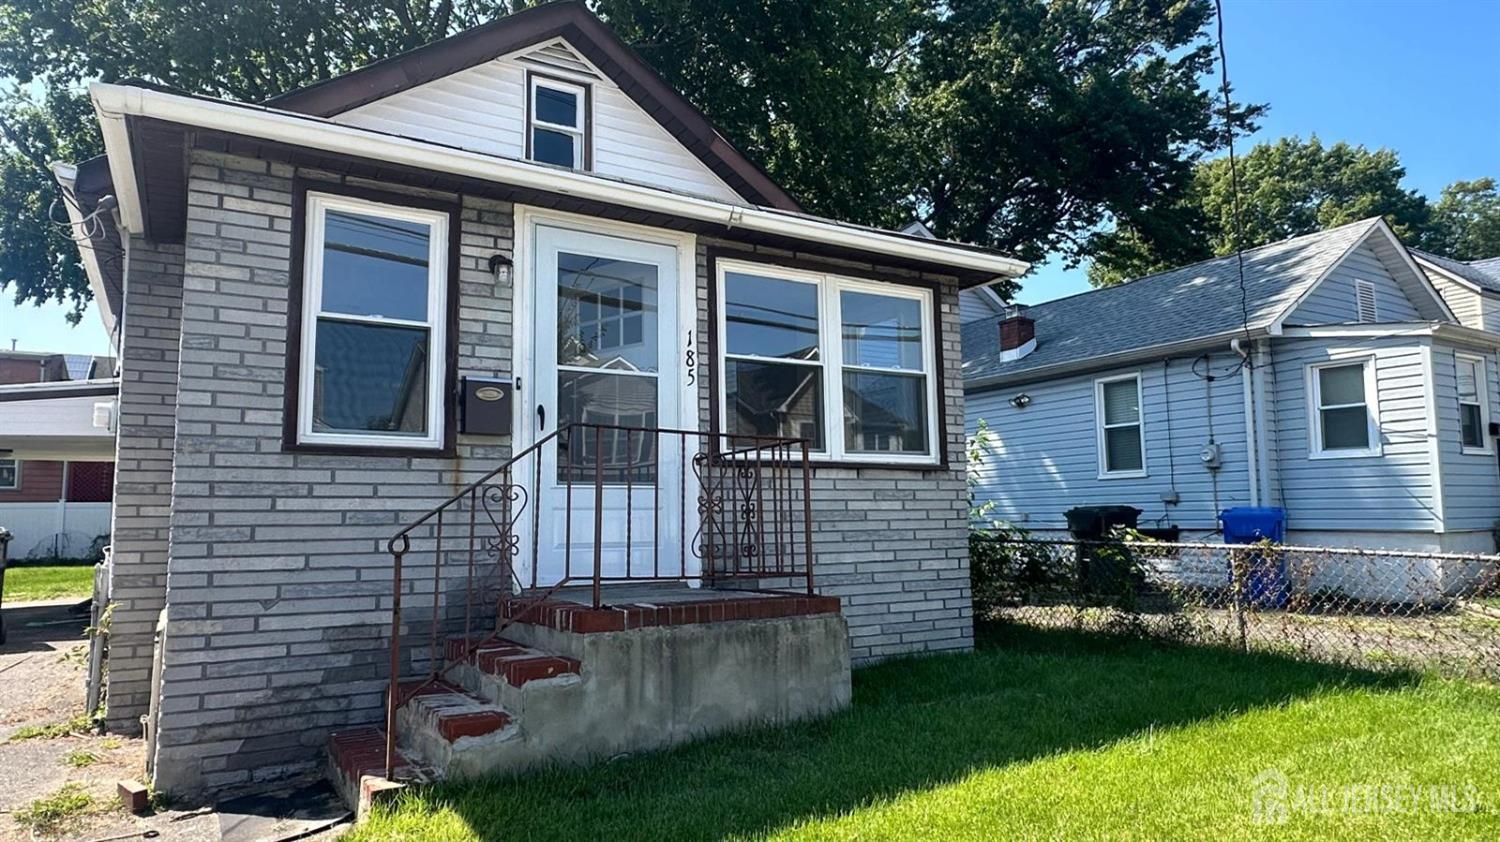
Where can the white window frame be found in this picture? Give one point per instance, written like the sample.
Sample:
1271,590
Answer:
1315,448
578,132
318,205
831,356
1100,426
16,474
1483,395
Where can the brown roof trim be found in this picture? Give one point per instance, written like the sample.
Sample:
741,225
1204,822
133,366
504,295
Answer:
597,42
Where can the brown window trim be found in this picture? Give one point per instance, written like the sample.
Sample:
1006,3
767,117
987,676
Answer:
717,253
297,282
588,114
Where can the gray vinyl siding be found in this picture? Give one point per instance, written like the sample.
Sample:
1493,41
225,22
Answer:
1389,492
1333,302
1471,481
974,305
1044,459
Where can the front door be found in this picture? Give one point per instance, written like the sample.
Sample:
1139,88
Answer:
605,355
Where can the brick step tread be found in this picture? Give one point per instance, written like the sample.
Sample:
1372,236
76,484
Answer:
516,663
583,619
360,751
455,712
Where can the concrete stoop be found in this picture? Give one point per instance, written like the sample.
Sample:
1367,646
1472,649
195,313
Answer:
545,695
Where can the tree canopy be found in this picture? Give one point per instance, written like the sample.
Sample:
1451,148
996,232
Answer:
1292,186
1022,125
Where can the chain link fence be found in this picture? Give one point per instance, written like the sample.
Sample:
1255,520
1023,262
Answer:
1368,608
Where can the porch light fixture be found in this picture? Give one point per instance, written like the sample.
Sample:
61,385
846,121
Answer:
500,265
1021,401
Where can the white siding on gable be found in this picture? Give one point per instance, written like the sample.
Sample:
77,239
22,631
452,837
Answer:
974,305
1043,459
1334,301
1390,492
483,109
1471,481
1466,303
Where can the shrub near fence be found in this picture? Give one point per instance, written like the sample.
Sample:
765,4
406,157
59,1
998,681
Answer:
1371,608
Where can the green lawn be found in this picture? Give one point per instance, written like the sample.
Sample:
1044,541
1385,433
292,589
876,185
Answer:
27,581
1034,736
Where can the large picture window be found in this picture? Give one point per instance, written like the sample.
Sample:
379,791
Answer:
373,320
1121,434
1473,404
1343,412
846,363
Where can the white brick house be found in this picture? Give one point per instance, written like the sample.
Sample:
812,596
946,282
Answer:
317,294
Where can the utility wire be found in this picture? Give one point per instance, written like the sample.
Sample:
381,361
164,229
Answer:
1234,183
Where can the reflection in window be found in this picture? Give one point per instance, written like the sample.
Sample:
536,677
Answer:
770,317
372,305
774,399
606,313
627,404
885,413
558,124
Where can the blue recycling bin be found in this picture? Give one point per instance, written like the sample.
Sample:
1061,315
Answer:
1267,585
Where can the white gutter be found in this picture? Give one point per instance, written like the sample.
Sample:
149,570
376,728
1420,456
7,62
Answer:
67,177
1396,330
1150,352
114,102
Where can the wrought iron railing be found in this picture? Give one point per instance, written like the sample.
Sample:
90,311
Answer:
589,505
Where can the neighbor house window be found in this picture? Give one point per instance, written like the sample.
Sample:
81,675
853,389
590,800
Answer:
847,364
373,317
1473,400
1121,434
1341,395
10,474
557,123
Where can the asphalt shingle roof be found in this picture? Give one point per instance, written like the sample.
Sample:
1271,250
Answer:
1485,273
1192,302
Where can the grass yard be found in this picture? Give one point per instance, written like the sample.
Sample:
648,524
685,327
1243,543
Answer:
1038,734
25,581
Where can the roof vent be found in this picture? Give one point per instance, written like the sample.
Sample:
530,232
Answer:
1364,302
1017,334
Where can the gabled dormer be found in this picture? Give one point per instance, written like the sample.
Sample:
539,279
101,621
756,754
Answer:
552,85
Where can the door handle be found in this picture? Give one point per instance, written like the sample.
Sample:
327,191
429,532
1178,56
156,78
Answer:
541,417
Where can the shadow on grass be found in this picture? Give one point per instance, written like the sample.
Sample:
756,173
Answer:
916,723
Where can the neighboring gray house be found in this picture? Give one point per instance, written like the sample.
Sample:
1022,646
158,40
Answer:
517,251
1339,384
1471,288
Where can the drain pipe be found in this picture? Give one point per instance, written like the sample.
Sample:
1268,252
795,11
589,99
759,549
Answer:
1252,434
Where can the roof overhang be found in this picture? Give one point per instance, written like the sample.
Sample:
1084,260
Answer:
1107,361
55,421
134,118
97,245
1448,331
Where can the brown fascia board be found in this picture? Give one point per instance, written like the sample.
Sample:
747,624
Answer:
598,43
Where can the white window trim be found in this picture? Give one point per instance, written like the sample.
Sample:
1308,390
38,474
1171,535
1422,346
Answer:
1315,449
578,132
318,204
831,357
17,475
1100,427
1482,387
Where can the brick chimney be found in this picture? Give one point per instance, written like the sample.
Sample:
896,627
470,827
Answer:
1017,334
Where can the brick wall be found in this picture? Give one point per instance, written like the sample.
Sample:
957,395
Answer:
279,587
891,544
143,478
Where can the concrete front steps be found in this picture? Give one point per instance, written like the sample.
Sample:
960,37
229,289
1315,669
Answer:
570,683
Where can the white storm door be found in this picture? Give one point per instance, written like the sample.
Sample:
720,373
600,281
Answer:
606,357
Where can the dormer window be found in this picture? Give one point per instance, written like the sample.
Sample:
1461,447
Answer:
557,130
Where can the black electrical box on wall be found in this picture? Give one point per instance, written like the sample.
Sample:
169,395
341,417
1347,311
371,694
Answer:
485,406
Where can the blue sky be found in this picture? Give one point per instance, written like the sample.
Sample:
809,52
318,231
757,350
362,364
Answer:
1419,76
